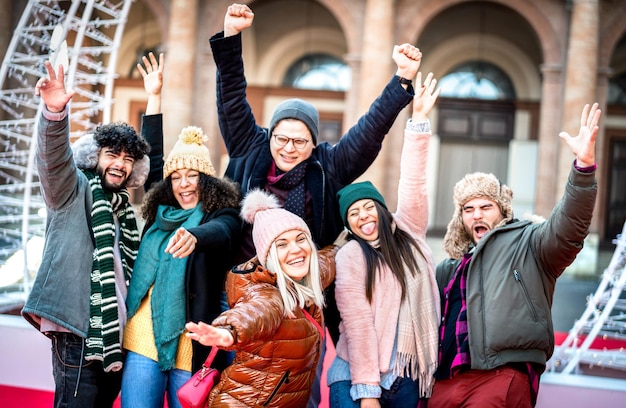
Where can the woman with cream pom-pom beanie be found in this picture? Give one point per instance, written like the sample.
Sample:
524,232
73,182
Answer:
191,231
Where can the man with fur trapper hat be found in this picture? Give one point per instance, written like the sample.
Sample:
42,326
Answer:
498,284
92,238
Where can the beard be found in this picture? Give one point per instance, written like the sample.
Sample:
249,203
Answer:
108,185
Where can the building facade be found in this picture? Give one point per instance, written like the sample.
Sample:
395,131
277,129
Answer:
514,74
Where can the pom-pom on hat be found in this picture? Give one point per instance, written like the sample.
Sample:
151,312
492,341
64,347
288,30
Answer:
475,185
269,220
355,192
189,152
297,109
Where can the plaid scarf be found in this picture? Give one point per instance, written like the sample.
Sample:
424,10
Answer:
418,327
103,336
461,357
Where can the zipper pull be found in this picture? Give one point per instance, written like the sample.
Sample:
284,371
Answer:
516,274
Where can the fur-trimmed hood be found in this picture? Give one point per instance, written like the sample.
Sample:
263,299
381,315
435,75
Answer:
86,151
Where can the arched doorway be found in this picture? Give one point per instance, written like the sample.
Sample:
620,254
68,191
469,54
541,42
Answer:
475,126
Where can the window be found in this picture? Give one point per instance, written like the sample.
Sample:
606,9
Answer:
617,90
319,72
478,80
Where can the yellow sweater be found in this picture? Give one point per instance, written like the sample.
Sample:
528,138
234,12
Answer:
139,337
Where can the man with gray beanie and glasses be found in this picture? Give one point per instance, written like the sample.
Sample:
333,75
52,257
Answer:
497,285
287,159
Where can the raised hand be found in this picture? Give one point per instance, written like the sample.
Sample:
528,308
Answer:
238,18
152,81
426,95
152,74
208,335
408,59
583,145
52,89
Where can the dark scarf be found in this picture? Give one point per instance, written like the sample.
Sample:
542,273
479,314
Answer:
293,182
103,336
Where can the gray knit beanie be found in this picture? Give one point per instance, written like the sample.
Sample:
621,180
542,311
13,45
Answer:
297,109
476,185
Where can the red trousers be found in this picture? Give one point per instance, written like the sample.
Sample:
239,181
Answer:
503,387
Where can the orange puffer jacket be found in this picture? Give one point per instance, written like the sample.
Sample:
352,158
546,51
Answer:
275,356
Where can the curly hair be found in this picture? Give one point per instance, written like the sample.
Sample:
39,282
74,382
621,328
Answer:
120,136
215,194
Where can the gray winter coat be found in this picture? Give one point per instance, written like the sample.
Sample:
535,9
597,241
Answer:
512,276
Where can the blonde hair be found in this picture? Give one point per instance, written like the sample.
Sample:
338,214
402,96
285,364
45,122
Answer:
297,294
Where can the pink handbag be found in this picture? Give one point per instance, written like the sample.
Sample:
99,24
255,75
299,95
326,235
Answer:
195,392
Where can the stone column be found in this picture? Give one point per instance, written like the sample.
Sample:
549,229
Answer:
178,86
376,69
549,128
580,76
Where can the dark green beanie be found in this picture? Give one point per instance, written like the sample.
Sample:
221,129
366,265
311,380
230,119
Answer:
355,192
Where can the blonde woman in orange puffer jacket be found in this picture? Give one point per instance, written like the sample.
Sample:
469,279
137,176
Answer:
275,321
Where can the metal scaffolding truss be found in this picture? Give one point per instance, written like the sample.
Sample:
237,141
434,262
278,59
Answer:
84,36
604,317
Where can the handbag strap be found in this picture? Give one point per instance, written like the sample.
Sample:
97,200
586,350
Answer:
209,360
315,323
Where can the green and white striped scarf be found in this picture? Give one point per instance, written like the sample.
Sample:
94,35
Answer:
103,337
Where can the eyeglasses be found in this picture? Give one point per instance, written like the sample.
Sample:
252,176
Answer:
298,142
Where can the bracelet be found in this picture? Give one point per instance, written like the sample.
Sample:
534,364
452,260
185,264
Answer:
405,81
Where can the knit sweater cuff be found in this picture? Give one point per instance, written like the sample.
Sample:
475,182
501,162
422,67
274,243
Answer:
358,391
55,116
423,126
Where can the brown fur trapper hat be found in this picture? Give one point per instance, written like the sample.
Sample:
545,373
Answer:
456,241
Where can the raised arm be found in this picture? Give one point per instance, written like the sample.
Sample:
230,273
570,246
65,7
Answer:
152,120
412,186
560,238
237,123
360,146
55,165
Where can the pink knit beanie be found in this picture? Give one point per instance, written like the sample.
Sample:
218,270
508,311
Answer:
268,220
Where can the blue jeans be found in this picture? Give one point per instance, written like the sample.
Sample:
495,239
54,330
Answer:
404,392
144,385
94,388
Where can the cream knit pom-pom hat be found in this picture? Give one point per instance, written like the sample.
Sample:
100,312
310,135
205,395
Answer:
189,152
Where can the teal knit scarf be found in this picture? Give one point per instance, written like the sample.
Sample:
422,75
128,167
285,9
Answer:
103,335
155,267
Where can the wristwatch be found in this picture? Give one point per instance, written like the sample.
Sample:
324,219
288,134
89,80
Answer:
405,81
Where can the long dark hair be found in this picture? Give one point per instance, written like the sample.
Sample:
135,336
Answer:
395,250
214,193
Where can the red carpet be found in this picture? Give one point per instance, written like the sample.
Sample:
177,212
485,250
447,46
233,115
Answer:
14,397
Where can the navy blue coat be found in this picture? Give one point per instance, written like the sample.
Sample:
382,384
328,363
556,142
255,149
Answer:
331,168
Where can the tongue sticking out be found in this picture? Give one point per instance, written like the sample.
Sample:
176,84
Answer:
368,228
